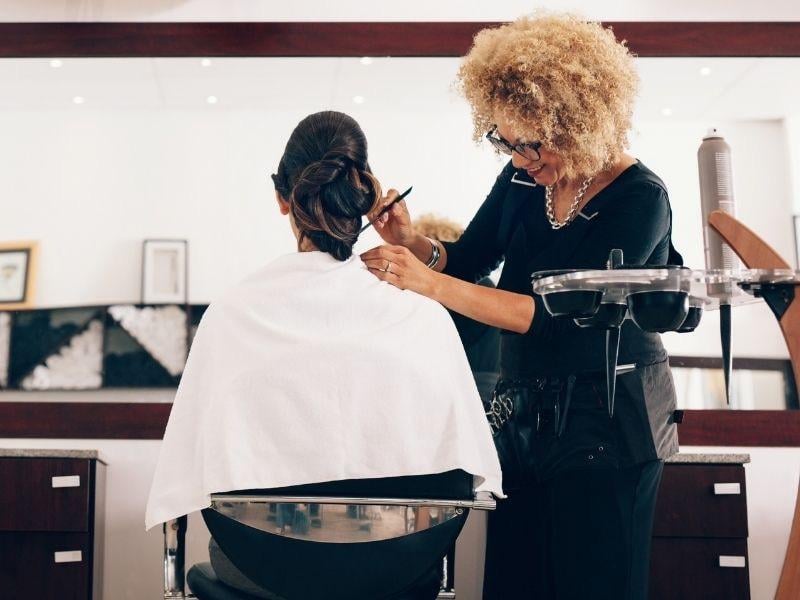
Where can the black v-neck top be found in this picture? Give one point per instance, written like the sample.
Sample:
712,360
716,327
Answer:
632,213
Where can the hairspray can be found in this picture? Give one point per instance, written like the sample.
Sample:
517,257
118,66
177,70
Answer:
716,193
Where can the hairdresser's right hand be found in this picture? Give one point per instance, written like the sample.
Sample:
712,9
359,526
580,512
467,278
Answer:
395,226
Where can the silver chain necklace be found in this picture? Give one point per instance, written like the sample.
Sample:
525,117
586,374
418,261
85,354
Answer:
548,204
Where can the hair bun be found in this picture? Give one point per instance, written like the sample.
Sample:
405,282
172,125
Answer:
333,187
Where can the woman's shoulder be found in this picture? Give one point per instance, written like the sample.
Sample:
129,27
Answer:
403,301
639,176
639,189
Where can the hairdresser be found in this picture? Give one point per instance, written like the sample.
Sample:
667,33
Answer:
556,93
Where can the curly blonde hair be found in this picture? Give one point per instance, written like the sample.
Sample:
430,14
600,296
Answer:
438,228
559,79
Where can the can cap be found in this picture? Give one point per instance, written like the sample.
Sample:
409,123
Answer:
712,132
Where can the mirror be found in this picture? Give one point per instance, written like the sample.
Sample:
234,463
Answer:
756,383
98,155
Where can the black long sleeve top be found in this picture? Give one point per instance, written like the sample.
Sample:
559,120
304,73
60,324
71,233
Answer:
632,213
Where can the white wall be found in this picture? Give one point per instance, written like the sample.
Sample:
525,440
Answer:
104,180
101,264
772,479
793,143
411,10
762,171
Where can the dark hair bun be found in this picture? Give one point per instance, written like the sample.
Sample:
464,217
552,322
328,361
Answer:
325,175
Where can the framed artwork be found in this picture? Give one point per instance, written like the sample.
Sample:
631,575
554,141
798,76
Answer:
797,240
17,274
56,349
165,270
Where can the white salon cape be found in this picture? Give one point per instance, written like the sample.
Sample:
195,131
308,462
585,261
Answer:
313,370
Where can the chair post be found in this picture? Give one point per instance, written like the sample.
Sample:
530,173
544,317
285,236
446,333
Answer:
447,590
175,559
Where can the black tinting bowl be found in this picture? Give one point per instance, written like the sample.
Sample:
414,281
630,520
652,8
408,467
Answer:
658,311
608,316
692,319
574,303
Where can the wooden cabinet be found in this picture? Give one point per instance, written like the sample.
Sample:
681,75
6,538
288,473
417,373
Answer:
700,534
51,534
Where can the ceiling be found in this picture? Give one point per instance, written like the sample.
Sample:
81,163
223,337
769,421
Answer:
672,88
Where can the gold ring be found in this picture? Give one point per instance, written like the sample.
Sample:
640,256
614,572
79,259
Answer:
388,264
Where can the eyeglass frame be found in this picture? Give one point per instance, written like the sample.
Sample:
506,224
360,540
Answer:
506,147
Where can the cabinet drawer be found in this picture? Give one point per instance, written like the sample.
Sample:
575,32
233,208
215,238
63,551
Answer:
44,494
691,569
701,501
44,566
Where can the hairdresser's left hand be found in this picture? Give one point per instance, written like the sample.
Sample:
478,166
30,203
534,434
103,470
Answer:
399,266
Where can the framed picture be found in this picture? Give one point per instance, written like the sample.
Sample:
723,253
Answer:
165,272
797,241
17,273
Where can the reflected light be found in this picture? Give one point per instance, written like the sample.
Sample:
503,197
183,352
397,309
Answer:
705,71
358,99
667,112
56,63
206,62
366,60
78,100
212,100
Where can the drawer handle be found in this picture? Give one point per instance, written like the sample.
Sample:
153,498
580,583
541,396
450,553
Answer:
66,481
727,489
735,562
68,556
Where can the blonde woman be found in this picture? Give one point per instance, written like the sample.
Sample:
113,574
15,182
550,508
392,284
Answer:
556,93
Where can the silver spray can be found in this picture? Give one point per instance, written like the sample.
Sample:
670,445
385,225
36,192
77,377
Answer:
716,193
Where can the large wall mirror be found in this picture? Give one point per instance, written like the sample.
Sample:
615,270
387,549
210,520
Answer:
101,153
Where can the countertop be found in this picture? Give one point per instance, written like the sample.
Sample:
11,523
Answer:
713,459
680,458
49,453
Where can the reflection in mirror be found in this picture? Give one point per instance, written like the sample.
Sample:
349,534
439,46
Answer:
99,154
336,523
764,384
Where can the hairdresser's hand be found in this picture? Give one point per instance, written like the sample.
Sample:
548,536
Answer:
398,266
395,225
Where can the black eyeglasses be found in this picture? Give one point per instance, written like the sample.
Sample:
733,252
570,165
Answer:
529,150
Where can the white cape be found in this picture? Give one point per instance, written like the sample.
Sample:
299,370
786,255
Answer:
313,370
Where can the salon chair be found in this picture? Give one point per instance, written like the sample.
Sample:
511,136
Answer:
362,539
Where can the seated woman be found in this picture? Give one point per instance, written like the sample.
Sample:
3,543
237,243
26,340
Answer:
311,369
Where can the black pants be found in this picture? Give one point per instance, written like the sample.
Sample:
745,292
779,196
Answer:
580,535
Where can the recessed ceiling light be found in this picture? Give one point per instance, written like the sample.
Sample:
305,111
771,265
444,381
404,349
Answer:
366,60
358,99
705,71
79,100
211,99
206,62
56,63
667,112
